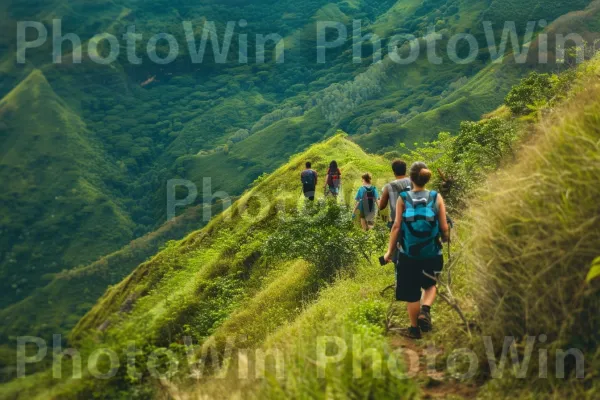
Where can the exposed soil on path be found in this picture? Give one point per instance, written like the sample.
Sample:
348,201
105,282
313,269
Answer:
430,372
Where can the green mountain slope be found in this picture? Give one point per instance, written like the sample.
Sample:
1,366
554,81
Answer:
131,128
510,252
468,98
210,273
48,158
261,272
57,307
201,250
526,257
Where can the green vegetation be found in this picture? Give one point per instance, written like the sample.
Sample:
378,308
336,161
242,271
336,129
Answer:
57,307
530,254
87,150
214,272
57,198
230,122
279,272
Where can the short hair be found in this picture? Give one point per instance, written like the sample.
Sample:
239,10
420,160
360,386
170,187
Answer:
399,167
367,177
420,174
308,164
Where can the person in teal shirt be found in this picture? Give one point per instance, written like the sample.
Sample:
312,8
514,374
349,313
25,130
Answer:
367,202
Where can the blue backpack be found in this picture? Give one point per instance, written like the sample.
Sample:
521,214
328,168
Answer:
420,226
308,177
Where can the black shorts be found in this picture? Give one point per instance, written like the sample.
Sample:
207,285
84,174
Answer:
410,278
309,191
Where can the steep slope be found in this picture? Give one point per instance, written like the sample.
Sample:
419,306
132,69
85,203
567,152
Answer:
210,273
231,230
144,135
140,130
225,281
469,97
528,255
49,159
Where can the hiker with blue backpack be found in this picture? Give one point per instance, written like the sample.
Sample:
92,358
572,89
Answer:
308,177
334,179
367,202
419,228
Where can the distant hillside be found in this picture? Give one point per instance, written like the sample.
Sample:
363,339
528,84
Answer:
56,200
57,307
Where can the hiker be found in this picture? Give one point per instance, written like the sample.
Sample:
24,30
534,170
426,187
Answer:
334,179
392,190
309,181
421,225
367,199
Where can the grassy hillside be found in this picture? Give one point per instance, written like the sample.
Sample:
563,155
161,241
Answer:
275,273
230,228
523,251
49,158
467,97
57,307
127,129
529,254
213,273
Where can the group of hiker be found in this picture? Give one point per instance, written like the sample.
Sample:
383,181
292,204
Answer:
332,183
367,197
418,225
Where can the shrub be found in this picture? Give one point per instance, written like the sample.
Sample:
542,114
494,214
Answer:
323,234
467,158
536,87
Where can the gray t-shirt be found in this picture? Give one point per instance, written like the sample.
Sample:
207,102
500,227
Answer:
394,189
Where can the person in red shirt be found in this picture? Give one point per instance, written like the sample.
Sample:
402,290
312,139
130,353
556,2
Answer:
334,179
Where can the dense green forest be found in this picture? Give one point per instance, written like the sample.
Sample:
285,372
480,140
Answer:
88,150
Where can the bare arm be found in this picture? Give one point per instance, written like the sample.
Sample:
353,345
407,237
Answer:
444,228
396,230
384,198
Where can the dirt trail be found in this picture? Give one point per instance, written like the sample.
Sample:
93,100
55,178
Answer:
433,380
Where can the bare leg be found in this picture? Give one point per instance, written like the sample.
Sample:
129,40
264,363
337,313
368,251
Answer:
413,312
363,223
429,296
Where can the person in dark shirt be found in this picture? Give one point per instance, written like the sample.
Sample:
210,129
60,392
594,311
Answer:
308,177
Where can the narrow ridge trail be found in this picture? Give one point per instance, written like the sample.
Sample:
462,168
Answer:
432,378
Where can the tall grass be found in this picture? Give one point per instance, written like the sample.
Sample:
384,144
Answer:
535,232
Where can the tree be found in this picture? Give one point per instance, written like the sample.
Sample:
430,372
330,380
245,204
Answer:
536,87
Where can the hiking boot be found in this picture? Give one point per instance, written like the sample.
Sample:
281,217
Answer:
424,321
412,332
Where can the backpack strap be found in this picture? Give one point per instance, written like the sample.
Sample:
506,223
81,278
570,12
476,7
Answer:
432,197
